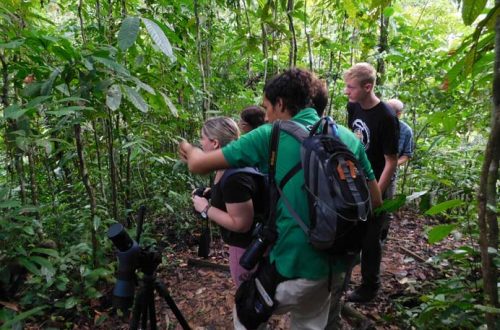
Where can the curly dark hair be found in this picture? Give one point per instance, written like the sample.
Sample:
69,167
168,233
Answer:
254,116
319,96
294,87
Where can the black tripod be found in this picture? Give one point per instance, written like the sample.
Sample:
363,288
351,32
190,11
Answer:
144,303
132,257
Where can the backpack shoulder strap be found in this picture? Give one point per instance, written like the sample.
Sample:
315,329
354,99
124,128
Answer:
229,172
299,132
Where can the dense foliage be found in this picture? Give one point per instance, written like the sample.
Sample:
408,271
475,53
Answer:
96,95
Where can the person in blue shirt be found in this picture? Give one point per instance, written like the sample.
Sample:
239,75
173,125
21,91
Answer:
405,146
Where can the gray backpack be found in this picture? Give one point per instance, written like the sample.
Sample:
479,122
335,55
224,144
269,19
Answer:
338,195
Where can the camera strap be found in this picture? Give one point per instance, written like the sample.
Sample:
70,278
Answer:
270,225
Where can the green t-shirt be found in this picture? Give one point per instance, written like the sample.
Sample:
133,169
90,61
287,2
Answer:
293,255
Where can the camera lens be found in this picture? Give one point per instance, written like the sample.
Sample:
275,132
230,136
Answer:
120,238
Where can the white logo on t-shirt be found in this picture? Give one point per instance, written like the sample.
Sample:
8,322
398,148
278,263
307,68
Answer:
362,131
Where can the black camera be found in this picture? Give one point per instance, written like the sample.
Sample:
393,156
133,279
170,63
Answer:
264,237
201,192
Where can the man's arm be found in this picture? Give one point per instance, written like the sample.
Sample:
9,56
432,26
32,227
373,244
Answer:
403,159
201,162
391,162
407,151
375,194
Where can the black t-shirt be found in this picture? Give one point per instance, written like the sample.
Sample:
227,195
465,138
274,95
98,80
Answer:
378,130
239,188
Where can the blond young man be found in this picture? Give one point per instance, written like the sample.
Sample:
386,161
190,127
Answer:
378,129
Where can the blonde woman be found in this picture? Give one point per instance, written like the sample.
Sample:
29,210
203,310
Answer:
235,199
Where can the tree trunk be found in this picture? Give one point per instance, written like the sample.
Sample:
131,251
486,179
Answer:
110,21
88,187
382,47
487,196
205,102
124,8
50,183
128,183
335,75
80,17
112,167
249,27
308,37
264,49
98,156
292,59
18,160
33,184
5,80
98,14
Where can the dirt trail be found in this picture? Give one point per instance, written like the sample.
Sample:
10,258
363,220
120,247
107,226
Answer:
205,296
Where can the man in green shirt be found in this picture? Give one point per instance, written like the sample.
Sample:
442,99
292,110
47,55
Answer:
306,294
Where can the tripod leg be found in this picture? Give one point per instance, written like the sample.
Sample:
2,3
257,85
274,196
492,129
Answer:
163,292
139,304
144,313
152,309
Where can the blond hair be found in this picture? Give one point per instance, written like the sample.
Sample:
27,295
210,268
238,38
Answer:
222,129
363,72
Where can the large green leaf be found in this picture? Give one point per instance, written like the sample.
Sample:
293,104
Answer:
36,101
444,206
29,265
9,203
170,105
24,315
471,9
68,110
391,205
44,262
136,99
416,195
128,32
439,232
159,38
488,309
114,97
47,85
13,112
144,86
49,252
12,44
111,64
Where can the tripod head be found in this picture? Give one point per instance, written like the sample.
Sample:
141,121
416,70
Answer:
130,258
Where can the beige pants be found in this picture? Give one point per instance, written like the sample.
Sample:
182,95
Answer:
307,301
